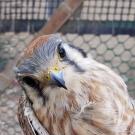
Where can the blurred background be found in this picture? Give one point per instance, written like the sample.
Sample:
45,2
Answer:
103,28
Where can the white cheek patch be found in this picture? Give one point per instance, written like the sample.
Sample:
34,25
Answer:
72,53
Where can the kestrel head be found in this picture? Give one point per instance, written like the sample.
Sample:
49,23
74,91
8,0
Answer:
61,81
49,62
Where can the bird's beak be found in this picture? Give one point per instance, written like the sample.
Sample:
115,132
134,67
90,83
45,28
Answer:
57,77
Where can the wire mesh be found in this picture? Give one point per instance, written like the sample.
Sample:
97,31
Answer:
108,10
105,16
27,9
91,10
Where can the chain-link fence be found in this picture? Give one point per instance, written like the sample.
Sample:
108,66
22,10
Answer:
107,10
103,28
95,16
29,14
27,9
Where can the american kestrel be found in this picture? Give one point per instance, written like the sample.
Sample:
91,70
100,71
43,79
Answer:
72,94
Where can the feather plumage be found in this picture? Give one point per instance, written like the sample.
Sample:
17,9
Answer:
96,101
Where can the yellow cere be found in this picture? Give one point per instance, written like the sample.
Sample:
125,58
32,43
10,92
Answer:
54,69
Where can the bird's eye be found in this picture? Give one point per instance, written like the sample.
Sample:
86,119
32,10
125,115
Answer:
61,51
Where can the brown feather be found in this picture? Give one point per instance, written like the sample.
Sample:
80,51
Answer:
22,118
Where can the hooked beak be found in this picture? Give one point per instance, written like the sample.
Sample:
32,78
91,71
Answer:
57,77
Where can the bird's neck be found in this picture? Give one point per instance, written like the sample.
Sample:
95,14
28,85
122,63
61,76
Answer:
56,110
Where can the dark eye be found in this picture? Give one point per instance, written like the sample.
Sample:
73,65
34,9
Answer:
61,51
31,82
